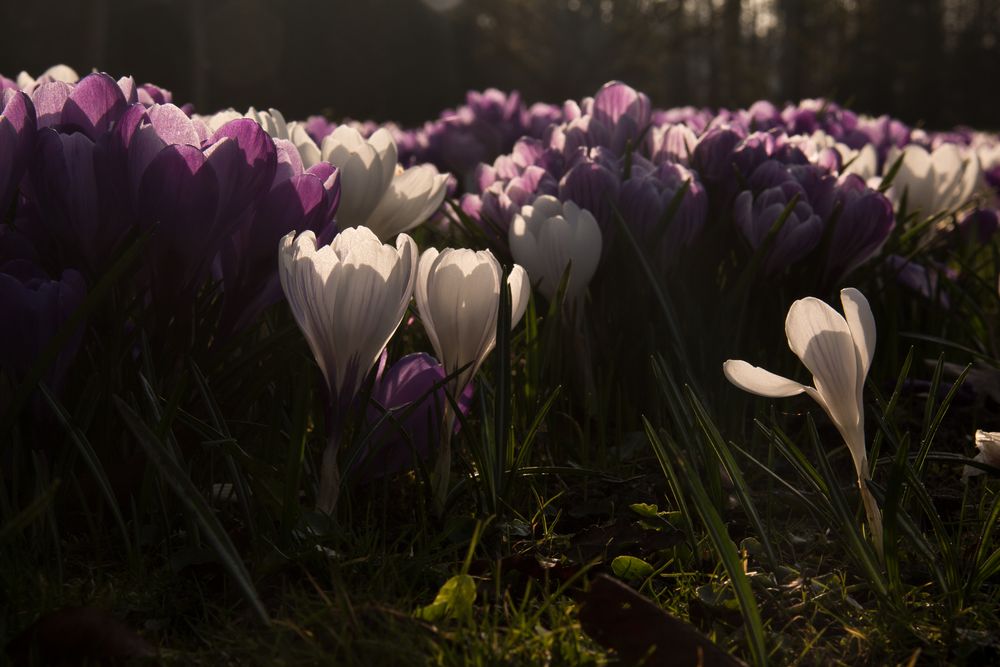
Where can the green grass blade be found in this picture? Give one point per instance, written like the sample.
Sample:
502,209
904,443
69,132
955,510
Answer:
196,504
92,461
724,547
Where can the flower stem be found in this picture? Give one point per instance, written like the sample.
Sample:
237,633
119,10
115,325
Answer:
329,479
872,511
441,474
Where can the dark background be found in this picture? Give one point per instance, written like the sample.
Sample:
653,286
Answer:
932,62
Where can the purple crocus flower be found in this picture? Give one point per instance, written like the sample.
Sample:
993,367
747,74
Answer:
763,115
17,139
800,233
196,194
992,177
979,226
593,183
713,156
862,226
91,106
672,143
397,439
35,308
645,199
298,200
624,111
149,94
921,279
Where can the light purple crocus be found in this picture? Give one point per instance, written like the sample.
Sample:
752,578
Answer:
17,139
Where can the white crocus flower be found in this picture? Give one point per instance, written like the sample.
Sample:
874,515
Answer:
458,298
63,73
988,444
308,149
837,349
935,182
348,298
271,121
862,162
547,236
375,192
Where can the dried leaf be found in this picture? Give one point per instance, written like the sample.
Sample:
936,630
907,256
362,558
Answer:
619,618
76,636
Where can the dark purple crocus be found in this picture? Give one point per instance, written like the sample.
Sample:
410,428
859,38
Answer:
17,139
923,280
593,183
862,225
992,176
800,233
978,226
195,194
34,309
645,199
400,441
298,200
713,158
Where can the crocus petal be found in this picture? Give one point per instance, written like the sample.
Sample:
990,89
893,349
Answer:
861,322
758,381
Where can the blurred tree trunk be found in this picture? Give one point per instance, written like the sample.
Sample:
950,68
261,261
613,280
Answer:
790,15
732,50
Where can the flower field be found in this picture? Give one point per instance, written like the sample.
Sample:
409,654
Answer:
584,383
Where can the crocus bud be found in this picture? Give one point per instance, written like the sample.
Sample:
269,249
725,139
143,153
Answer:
861,228
399,441
375,191
799,234
548,236
348,298
458,296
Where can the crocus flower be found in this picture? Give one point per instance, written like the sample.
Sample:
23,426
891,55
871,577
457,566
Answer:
864,223
61,73
35,308
934,182
17,139
407,387
624,111
593,183
645,199
458,297
549,236
376,192
838,350
988,444
298,200
196,193
348,298
799,234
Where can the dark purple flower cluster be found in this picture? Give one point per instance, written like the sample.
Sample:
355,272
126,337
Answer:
778,174
90,166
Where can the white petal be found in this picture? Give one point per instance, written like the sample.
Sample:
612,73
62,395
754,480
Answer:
758,381
861,322
520,293
821,338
